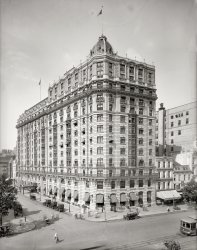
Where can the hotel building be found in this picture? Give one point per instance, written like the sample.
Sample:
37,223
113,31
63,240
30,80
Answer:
92,140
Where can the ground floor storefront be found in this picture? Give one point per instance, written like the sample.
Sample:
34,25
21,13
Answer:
88,194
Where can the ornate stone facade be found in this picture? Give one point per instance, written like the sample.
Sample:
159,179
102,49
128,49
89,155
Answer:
92,140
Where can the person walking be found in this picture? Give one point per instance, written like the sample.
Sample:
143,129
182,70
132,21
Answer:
56,238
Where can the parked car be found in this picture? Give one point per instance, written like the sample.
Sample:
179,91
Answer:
32,197
158,202
4,230
53,204
47,202
131,216
60,207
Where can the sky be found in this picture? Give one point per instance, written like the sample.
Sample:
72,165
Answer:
42,39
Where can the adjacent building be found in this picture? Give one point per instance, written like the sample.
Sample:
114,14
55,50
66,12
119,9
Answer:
182,175
92,140
176,129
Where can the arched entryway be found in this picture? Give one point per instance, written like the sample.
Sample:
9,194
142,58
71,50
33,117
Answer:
132,199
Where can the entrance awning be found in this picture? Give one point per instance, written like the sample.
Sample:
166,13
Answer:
113,198
68,193
100,198
168,195
87,197
133,197
75,195
123,198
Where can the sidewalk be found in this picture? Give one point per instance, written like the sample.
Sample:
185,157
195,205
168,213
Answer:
152,211
110,215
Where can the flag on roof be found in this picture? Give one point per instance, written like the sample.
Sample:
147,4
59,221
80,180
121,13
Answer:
39,82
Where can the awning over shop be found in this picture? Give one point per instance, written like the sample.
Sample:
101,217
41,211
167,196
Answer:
113,198
68,193
133,197
168,195
99,198
87,197
75,195
123,198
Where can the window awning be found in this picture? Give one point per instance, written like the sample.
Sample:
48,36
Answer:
87,197
133,197
113,198
75,195
123,198
99,198
168,195
68,193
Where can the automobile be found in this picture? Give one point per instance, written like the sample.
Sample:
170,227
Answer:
158,202
188,226
47,202
60,207
131,216
53,204
32,197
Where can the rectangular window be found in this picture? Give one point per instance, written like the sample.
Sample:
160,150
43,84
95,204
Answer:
110,151
179,122
122,129
122,118
187,120
100,139
179,132
100,106
100,128
122,151
110,129
122,140
141,183
113,184
122,184
132,183
99,184
99,118
172,124
99,151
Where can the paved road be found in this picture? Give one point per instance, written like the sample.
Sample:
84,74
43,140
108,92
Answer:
145,233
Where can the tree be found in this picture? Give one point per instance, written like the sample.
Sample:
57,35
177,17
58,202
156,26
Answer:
7,196
190,191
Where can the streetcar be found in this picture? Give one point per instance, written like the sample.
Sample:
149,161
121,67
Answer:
189,225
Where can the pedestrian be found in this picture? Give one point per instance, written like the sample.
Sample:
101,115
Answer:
25,218
56,238
168,209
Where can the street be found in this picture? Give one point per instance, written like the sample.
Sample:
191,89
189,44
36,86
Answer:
143,233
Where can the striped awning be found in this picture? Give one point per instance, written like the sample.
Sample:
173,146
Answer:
75,195
87,197
113,198
123,198
99,198
168,195
68,193
133,197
